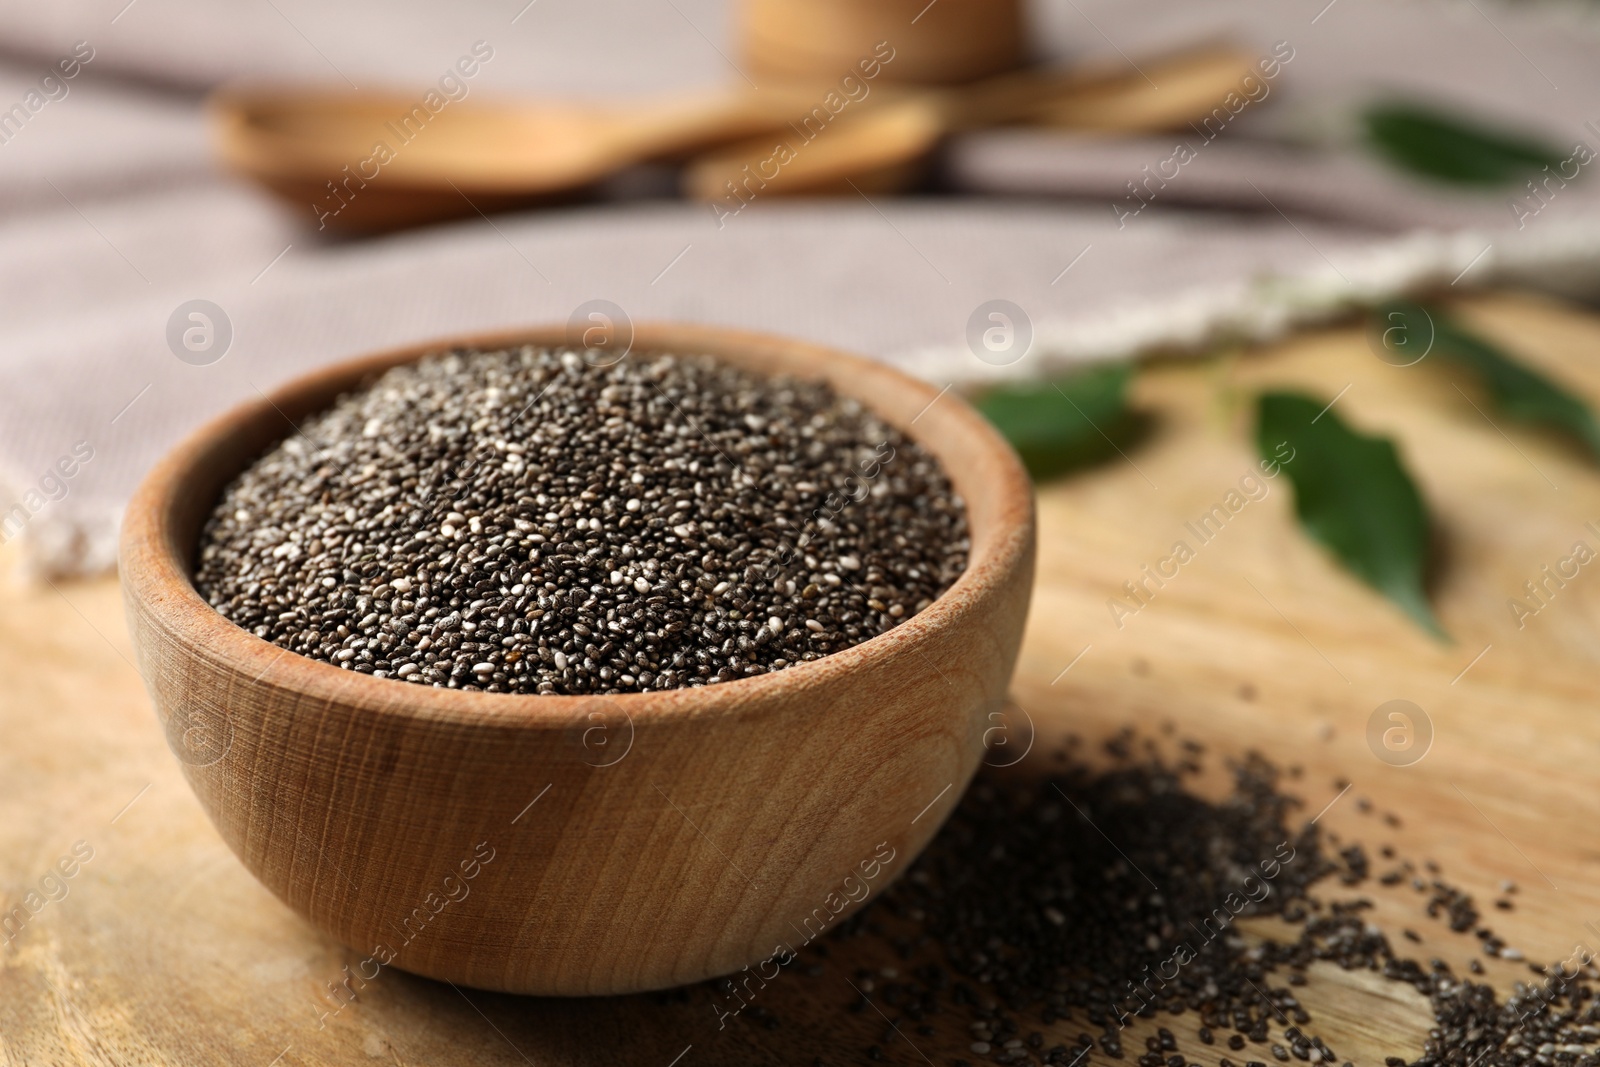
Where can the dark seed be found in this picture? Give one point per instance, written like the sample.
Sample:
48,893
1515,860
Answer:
1022,910
520,521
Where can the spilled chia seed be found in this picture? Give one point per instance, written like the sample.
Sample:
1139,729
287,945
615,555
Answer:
523,521
1055,911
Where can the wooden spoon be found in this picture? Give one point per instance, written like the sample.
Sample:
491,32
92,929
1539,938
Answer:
881,148
367,161
371,160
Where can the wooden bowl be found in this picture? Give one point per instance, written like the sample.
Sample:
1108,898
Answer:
582,845
908,42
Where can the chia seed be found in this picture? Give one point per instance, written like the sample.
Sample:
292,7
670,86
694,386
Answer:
1133,861
520,521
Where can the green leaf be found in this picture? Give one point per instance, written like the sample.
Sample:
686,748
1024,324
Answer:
1059,426
1522,393
1352,494
1451,148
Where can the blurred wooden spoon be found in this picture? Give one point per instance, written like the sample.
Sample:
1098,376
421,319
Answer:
368,161
372,160
881,148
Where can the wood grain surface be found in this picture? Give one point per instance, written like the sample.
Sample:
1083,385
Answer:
165,950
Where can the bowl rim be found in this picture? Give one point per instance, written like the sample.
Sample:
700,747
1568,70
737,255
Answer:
156,576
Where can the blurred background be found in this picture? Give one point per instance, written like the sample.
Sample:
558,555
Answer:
198,201
1015,201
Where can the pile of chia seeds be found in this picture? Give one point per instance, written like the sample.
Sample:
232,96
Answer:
1056,915
523,521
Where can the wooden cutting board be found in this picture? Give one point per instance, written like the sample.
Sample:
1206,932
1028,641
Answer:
164,950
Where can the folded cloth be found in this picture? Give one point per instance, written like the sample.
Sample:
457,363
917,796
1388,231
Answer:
896,280
113,218
539,46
